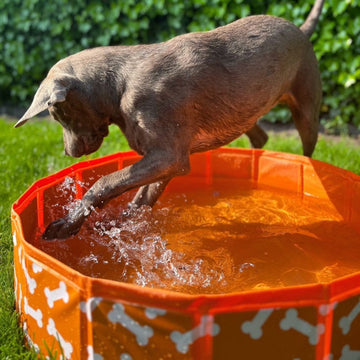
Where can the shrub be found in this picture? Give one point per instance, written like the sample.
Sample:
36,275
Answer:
34,34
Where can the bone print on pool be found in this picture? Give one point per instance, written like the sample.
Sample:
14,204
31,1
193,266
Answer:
272,333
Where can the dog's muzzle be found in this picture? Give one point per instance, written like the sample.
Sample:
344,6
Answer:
83,145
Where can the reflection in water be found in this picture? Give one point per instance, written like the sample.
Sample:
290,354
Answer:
211,241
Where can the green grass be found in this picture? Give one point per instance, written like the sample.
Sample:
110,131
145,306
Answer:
36,150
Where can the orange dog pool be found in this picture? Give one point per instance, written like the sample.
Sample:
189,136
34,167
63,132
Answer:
253,255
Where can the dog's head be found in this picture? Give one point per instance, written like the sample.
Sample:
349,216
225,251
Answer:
69,103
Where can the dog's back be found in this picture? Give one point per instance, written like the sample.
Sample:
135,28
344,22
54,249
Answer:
218,83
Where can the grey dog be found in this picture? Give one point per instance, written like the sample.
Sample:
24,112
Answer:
193,93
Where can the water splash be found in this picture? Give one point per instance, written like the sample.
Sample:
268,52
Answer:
211,241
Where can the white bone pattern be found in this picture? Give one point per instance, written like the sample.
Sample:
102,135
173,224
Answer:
36,268
66,346
346,321
142,333
348,354
153,313
35,314
19,252
16,283
183,341
20,299
57,294
125,357
325,309
292,321
14,238
92,355
89,306
254,327
30,281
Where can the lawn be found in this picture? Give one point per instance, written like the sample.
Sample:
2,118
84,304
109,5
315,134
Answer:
36,150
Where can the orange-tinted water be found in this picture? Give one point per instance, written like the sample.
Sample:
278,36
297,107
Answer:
215,241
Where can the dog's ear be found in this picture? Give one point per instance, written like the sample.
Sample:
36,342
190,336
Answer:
50,92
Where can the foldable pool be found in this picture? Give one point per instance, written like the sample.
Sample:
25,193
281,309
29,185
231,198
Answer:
253,255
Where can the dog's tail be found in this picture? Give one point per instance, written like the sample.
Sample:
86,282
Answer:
309,25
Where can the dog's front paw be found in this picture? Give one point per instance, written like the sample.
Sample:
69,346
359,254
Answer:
62,229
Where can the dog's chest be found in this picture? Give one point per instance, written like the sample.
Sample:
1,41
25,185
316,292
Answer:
204,140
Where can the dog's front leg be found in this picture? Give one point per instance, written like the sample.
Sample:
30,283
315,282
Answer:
157,166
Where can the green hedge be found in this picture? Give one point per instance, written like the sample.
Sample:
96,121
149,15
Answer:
34,34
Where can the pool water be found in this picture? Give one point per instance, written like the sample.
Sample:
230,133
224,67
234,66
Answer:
214,241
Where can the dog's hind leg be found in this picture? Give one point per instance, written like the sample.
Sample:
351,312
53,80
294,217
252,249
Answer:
257,136
304,102
306,119
149,194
